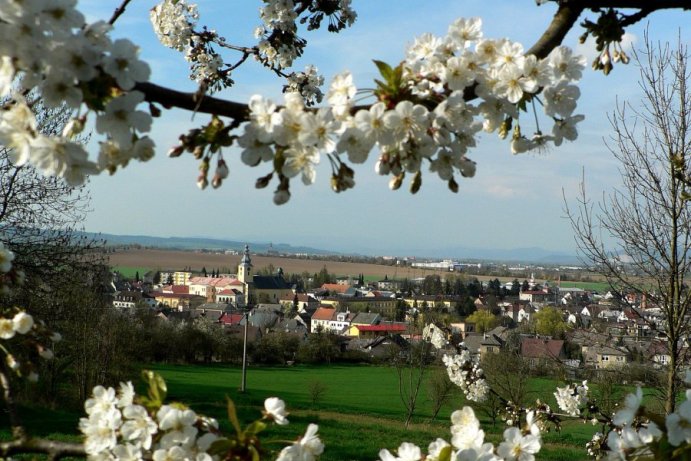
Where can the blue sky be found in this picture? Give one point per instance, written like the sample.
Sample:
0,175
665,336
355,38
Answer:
513,201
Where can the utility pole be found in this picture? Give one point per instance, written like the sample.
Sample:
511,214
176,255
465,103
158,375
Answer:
243,385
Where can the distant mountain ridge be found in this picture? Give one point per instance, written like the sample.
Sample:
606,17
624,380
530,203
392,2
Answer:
197,243
526,255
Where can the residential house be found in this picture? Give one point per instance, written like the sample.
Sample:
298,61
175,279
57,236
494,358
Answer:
536,296
321,319
609,357
389,284
209,286
179,301
380,347
303,301
382,329
127,300
363,318
384,306
541,351
658,354
482,344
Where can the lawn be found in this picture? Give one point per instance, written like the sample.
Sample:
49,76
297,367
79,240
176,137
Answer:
130,271
359,413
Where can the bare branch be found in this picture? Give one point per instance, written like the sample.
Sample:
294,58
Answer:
118,12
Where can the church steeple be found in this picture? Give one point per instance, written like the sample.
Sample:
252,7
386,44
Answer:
245,267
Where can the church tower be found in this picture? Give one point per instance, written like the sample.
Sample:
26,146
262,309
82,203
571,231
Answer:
246,277
245,267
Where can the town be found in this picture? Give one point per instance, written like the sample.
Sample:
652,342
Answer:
571,332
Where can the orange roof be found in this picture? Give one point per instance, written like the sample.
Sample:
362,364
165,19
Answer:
323,313
335,287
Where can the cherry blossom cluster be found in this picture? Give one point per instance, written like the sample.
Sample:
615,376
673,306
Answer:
632,432
422,113
279,44
118,428
572,398
468,443
123,425
306,83
46,46
174,23
23,341
465,372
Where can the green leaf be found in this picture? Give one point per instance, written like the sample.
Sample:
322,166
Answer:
445,453
157,386
384,69
255,428
232,416
221,446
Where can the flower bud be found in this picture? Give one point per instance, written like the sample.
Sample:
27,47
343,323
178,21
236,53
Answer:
416,183
45,353
74,127
263,181
453,185
396,181
202,181
12,363
382,167
281,196
222,169
467,167
176,151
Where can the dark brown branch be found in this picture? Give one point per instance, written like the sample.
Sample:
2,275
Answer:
562,22
118,12
17,429
54,450
629,4
209,105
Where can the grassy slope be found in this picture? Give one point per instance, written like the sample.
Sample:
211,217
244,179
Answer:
359,414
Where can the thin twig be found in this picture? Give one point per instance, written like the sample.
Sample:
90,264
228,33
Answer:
118,12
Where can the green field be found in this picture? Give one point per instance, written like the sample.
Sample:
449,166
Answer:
130,271
359,414
600,287
361,411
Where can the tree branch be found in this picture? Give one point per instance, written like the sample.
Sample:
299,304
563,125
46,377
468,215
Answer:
54,450
118,11
563,21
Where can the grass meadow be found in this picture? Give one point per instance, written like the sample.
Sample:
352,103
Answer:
359,413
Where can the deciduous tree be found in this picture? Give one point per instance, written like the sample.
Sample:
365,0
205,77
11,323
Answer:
639,235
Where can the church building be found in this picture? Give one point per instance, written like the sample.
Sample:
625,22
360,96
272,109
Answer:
261,288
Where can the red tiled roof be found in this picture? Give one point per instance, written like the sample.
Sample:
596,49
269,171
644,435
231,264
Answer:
302,297
323,313
382,327
230,319
541,348
335,287
180,289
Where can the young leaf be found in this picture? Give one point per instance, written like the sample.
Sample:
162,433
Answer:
233,417
384,69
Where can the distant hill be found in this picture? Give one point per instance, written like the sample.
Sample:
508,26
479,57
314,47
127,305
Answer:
196,243
526,255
